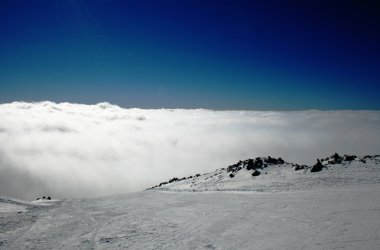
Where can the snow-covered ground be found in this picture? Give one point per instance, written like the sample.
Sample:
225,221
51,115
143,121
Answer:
281,177
337,208
328,218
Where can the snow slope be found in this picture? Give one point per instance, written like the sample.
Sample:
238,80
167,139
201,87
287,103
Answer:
325,218
280,177
8,204
336,208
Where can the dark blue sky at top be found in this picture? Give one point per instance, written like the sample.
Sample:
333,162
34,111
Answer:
264,55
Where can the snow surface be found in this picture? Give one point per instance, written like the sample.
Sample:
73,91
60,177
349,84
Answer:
337,208
283,177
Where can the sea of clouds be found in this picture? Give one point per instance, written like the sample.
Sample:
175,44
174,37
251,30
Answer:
72,150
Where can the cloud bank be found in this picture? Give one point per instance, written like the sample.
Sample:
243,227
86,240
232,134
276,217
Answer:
74,150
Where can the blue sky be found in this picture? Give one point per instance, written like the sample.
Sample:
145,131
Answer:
261,55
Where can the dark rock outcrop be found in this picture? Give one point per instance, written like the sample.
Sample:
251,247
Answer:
44,198
299,167
235,167
250,164
256,173
271,160
350,157
338,159
317,167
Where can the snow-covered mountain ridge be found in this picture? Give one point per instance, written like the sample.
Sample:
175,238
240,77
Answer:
272,174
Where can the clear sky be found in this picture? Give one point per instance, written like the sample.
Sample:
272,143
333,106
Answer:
263,55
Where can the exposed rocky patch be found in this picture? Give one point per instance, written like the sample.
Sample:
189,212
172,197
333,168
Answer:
299,167
44,198
317,167
175,179
253,164
256,173
338,159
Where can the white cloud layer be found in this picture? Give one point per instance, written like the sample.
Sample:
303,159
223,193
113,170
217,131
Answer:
74,150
